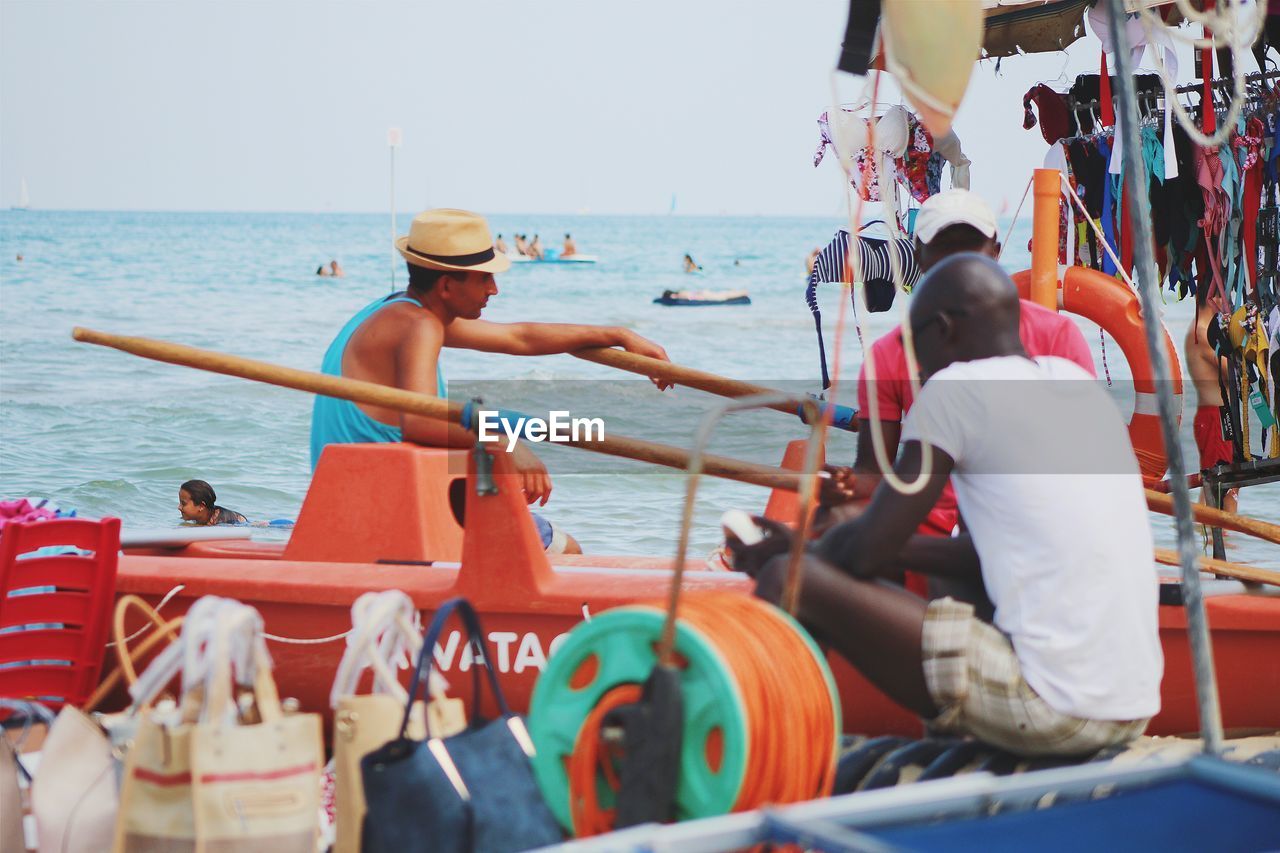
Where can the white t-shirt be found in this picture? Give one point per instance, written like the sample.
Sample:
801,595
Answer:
1047,482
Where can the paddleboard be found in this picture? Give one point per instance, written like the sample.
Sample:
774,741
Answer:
178,537
571,259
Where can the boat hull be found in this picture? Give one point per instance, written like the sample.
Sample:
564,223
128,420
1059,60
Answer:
354,535
305,601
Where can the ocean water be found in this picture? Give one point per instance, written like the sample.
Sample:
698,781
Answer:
109,433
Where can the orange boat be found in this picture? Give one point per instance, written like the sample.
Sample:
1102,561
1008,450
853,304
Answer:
385,517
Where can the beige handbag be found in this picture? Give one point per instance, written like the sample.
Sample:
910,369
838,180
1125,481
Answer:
222,774
75,797
386,634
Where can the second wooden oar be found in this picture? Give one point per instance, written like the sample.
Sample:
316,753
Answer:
1222,567
1218,518
843,416
374,394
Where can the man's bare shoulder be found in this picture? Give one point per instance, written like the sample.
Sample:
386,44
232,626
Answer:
399,325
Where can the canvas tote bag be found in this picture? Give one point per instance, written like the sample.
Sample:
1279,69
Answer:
76,794
224,775
386,635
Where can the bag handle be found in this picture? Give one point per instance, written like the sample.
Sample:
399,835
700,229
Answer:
426,659
384,628
163,627
238,634
166,631
29,713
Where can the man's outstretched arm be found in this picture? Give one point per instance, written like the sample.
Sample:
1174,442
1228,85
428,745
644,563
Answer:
545,338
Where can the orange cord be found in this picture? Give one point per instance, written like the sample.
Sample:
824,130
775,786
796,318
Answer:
790,719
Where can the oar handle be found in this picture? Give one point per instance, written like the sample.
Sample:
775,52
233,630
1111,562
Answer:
355,390
844,417
1162,503
400,400
1252,574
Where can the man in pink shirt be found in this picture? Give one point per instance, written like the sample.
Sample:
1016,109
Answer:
948,223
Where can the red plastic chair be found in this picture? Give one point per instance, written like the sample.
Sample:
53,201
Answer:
69,596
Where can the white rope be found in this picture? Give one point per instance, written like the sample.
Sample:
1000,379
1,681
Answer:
307,641
1017,213
147,627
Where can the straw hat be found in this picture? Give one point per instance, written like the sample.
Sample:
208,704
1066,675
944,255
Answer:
447,239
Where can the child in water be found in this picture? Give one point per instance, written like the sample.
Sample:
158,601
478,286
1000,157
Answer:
198,503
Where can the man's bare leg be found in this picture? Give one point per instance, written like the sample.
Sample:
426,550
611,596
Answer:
876,626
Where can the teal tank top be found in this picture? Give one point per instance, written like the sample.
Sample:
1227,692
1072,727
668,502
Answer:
335,421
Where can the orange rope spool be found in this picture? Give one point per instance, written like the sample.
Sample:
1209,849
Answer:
791,710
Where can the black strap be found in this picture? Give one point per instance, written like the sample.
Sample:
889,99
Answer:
457,260
426,659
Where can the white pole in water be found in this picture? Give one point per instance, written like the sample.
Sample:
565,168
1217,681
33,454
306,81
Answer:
394,138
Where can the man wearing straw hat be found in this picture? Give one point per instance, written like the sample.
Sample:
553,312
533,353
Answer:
397,340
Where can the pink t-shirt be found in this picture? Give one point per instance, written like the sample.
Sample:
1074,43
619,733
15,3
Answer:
1043,332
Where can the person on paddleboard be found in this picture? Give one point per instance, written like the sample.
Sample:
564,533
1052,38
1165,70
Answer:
570,247
199,504
1048,484
397,341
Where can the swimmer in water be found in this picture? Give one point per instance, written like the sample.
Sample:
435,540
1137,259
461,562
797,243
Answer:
198,503
336,270
690,265
322,270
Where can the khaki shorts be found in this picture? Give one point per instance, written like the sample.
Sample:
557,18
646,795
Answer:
975,680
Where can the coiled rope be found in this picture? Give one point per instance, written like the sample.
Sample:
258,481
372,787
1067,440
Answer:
791,709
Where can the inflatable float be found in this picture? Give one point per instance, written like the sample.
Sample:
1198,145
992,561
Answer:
551,257
703,297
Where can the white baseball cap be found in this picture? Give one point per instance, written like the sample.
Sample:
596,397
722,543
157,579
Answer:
954,207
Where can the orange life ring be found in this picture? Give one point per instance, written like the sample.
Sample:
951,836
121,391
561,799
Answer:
1110,303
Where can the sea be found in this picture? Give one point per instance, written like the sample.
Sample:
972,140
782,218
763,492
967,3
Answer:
108,433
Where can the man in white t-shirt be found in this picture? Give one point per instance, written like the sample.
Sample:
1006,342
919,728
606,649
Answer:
1049,489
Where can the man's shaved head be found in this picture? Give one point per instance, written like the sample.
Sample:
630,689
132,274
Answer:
964,309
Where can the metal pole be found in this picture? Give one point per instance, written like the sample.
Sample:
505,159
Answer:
1139,205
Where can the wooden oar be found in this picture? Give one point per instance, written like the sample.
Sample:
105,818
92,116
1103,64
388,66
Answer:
725,387
374,394
1218,518
687,376
1222,567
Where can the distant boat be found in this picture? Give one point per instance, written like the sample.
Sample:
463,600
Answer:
24,199
703,297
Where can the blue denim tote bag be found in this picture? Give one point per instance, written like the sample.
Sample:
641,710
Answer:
473,792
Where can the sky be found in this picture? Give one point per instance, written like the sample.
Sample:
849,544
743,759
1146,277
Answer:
506,106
